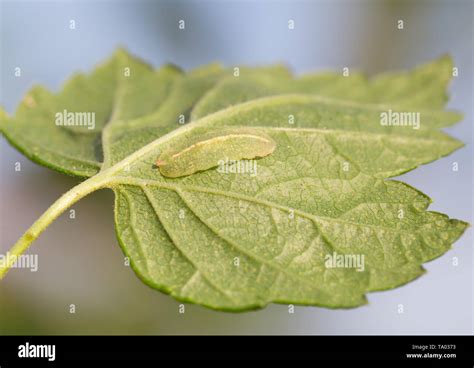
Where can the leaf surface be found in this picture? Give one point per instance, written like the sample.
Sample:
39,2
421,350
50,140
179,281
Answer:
282,224
240,240
423,87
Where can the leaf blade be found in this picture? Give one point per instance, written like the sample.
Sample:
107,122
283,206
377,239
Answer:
233,241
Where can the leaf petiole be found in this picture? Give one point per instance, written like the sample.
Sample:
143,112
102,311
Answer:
78,192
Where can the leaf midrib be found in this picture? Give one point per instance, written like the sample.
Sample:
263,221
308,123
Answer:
316,220
231,243
143,183
289,98
207,121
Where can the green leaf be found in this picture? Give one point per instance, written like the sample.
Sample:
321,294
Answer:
124,137
424,87
115,90
238,240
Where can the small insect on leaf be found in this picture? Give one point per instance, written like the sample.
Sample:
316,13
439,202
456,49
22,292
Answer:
199,152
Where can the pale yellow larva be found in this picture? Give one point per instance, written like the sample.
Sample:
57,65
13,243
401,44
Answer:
206,151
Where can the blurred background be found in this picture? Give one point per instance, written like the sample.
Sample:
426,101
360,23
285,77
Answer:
80,262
